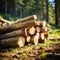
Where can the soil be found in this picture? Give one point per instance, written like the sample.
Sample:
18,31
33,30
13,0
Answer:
51,52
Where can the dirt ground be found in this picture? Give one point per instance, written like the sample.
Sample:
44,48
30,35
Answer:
39,52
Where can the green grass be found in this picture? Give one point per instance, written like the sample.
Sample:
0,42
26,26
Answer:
24,54
43,54
54,32
30,48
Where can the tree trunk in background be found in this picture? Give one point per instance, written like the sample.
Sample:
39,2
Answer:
47,15
6,7
56,17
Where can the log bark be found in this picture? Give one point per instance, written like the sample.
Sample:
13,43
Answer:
5,21
46,33
13,27
5,24
29,18
15,41
31,31
21,32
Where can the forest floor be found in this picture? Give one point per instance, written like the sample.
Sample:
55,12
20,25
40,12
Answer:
43,51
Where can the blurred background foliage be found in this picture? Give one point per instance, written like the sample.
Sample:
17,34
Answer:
44,9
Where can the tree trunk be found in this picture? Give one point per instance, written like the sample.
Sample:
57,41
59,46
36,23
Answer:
16,41
21,32
47,15
56,15
13,27
29,18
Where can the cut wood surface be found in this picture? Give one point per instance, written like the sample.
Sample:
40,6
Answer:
28,39
41,23
37,29
35,38
15,41
41,36
31,31
13,27
21,41
43,29
21,32
4,22
29,18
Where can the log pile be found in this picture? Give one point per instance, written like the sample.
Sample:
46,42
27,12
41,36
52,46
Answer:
26,30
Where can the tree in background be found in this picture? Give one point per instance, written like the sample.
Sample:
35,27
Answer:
14,9
47,15
51,13
23,8
56,17
57,13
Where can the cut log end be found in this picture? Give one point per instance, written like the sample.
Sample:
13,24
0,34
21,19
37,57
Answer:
38,29
44,23
28,38
41,37
35,39
38,23
31,31
41,23
21,41
44,29
35,17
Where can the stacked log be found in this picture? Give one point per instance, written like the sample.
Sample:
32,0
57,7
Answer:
4,22
26,30
14,41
